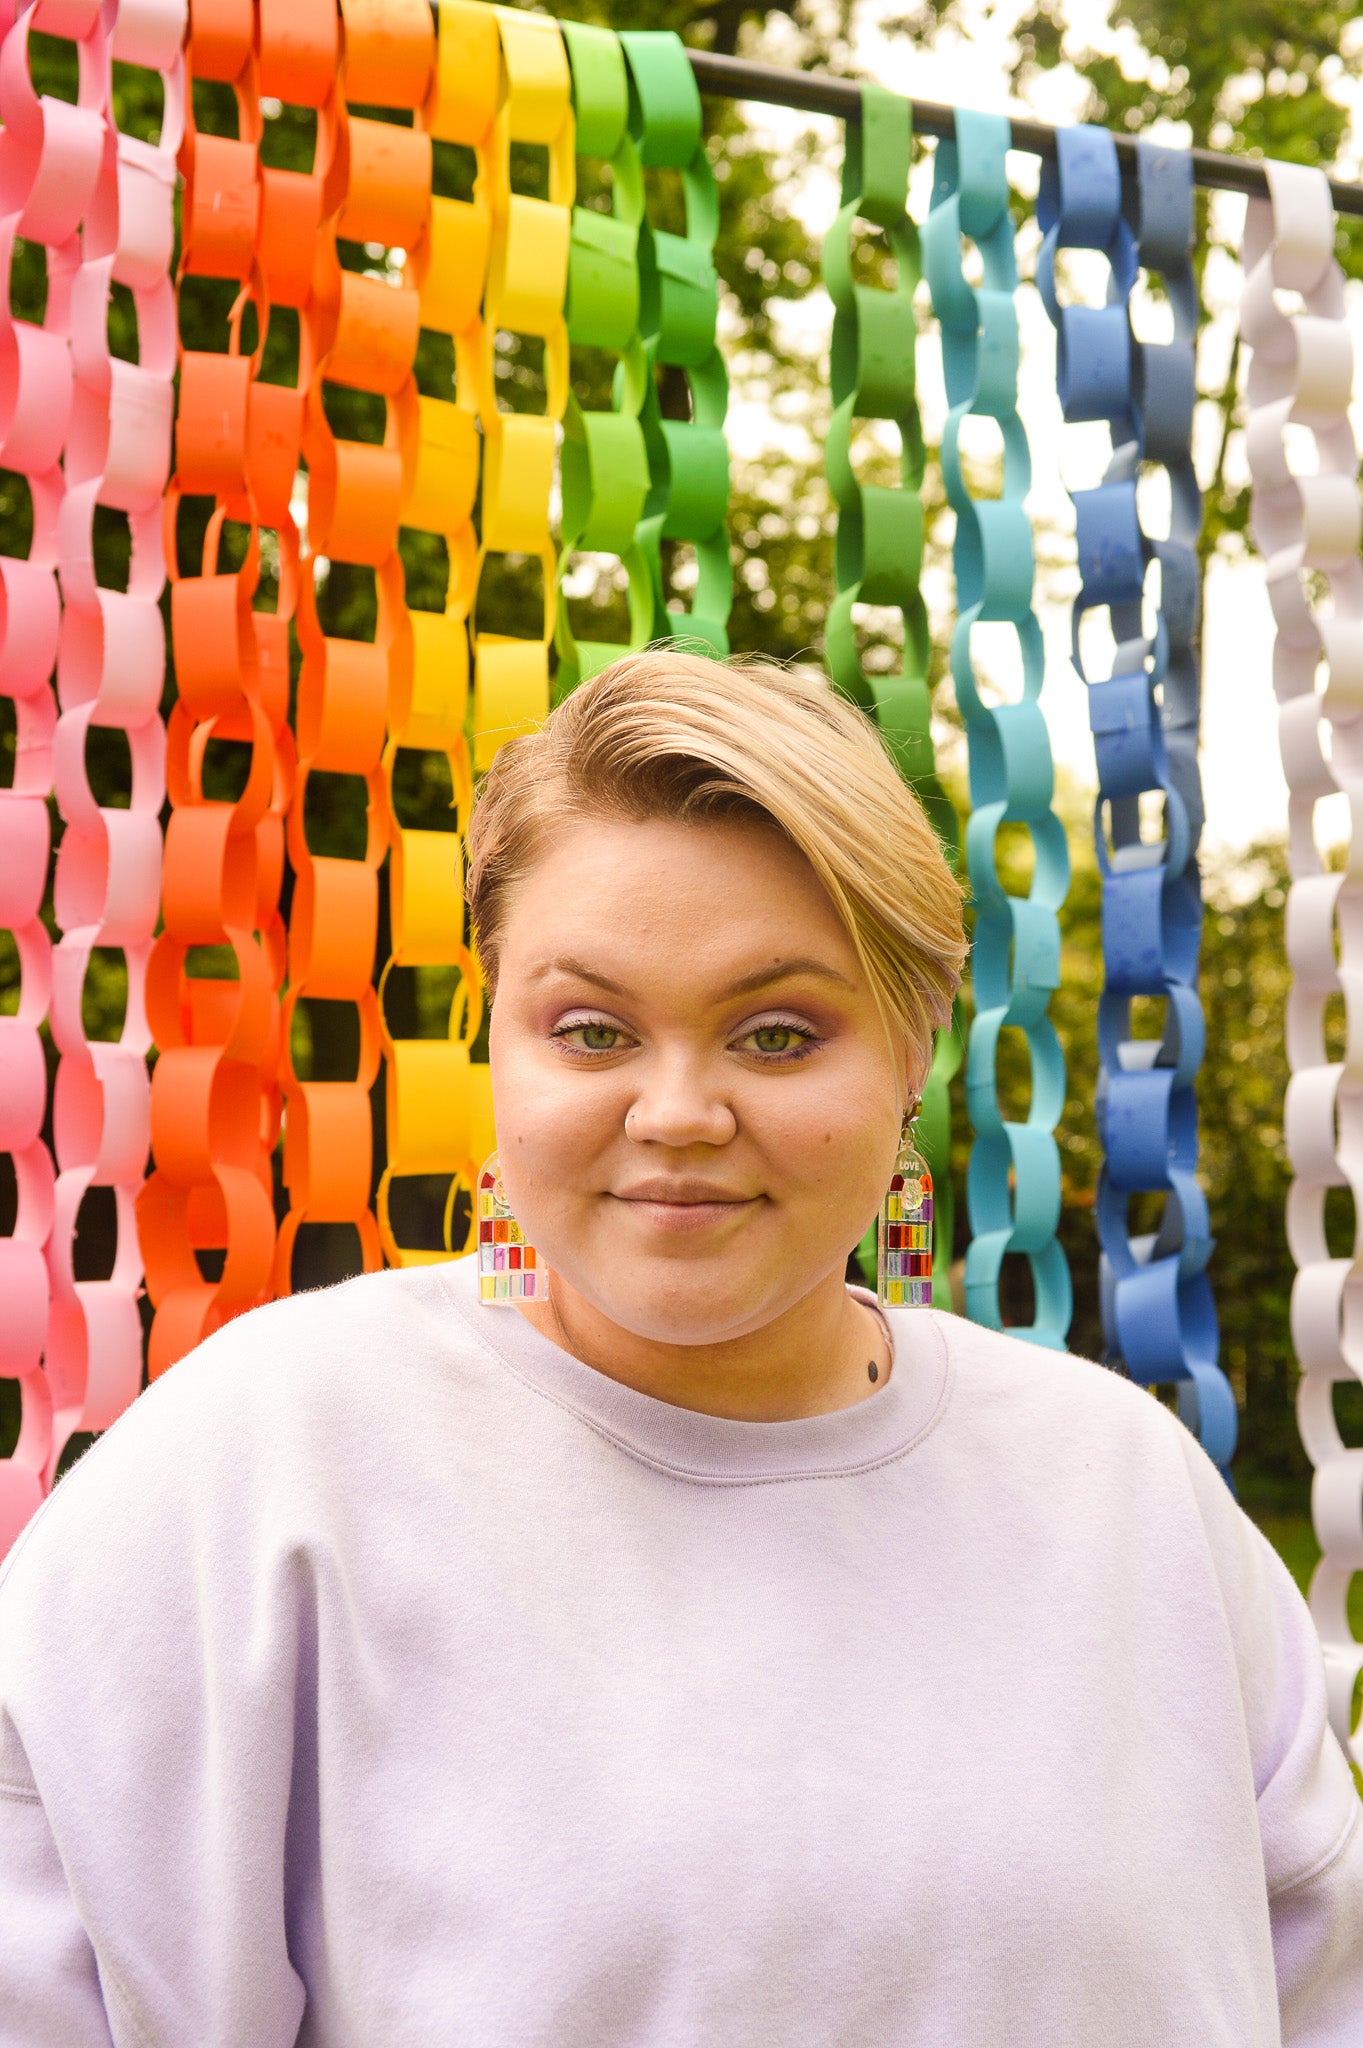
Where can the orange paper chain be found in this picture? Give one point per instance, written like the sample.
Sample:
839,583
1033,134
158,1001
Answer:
207,1213
363,327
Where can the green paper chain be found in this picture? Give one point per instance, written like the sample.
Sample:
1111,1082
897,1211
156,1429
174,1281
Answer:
1013,1186
879,551
688,460
605,469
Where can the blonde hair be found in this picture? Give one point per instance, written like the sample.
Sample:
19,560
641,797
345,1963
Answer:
664,734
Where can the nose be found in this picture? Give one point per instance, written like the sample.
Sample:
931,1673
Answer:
678,1105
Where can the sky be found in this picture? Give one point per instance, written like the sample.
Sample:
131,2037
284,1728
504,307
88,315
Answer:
1246,797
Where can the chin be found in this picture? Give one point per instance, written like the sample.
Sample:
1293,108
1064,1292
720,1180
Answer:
677,1303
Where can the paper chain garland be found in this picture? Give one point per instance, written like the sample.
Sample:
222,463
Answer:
880,528
221,993
110,672
1158,1315
51,158
688,459
439,1107
361,337
527,284
215,1101
605,474
1013,1188
1306,524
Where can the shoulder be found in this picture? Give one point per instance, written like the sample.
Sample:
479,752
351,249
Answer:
271,1401
209,1515
1063,1440
1079,1445
1004,1382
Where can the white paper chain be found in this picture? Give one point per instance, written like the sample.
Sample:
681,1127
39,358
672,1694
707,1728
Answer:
1307,526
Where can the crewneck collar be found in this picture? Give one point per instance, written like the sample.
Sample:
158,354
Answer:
714,1449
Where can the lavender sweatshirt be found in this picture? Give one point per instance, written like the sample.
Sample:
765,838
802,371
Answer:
387,1678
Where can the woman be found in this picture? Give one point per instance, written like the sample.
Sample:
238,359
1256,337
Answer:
693,1654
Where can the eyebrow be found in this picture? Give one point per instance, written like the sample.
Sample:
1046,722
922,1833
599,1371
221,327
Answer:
747,984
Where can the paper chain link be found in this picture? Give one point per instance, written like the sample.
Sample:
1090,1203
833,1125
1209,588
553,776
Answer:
1306,524
605,471
527,284
439,1106
362,336
110,673
1159,1318
51,157
1013,1188
879,551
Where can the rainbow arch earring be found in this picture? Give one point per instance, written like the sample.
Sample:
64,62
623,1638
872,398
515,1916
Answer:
509,1269
904,1228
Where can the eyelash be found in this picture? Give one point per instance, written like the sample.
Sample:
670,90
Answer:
810,1041
560,1034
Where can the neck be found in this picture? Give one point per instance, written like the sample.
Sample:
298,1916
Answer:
811,1360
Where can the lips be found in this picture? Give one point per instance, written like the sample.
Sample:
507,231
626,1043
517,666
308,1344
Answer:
684,1206
681,1194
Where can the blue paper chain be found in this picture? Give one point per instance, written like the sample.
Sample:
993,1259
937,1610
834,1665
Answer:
1159,1318
1014,1184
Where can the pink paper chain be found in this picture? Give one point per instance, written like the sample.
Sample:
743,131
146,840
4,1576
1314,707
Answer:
49,165
110,673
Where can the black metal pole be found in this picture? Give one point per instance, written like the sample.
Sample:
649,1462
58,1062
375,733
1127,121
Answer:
814,92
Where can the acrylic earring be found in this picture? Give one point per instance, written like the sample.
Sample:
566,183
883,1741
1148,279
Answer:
509,1269
904,1230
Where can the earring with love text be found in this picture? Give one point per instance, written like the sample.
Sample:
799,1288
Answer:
904,1230
509,1269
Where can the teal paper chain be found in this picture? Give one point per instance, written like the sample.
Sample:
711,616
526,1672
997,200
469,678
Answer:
1014,1185
605,461
879,553
688,497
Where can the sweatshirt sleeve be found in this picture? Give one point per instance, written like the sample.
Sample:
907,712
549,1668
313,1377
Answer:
153,1657
49,1984
1309,1808
1318,1950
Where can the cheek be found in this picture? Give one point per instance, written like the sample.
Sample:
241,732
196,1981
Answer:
548,1121
836,1136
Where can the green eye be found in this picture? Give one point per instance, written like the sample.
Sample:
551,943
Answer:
592,1035
777,1038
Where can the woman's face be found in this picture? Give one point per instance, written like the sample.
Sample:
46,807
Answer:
697,1105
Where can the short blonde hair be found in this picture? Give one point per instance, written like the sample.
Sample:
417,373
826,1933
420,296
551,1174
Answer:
663,734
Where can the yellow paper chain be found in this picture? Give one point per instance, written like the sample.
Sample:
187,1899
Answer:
526,286
439,1106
